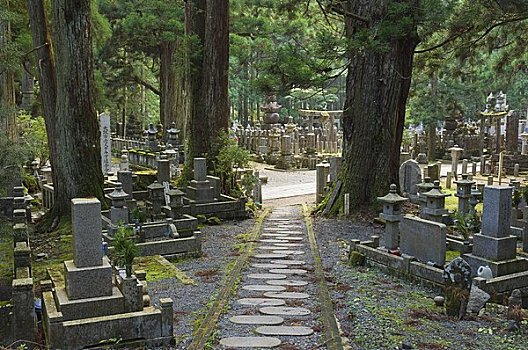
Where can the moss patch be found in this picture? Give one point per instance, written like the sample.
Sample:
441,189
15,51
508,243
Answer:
451,255
6,253
159,268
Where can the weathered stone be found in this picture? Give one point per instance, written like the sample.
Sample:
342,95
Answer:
250,342
423,239
270,256
287,295
289,271
496,211
288,244
290,262
256,319
477,300
261,301
285,310
410,176
284,330
272,241
267,276
264,288
269,266
291,283
269,247
288,252
87,232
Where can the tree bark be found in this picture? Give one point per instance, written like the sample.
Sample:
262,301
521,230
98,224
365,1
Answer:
78,170
167,83
208,21
377,87
7,88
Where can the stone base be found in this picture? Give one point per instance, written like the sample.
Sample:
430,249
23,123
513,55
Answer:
171,246
498,268
88,282
200,191
493,248
90,307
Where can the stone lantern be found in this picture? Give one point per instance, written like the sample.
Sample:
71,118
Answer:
426,186
173,136
118,210
152,143
156,196
435,204
392,216
176,202
464,194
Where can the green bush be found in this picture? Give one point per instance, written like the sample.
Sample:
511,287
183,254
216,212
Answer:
125,248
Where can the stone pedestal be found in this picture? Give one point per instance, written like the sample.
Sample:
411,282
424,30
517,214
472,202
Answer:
164,174
494,246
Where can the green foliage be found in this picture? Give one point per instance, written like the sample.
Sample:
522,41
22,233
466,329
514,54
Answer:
516,198
33,130
125,248
467,224
139,215
230,157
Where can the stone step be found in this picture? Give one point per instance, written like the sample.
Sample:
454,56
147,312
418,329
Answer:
284,311
264,288
267,276
261,302
284,330
270,256
257,319
291,283
286,295
290,262
269,266
250,342
289,271
288,244
272,241
288,252
269,247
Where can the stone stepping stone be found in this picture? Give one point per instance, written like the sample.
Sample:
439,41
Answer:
288,232
290,238
288,244
287,295
272,229
274,235
261,302
267,276
290,262
289,271
272,247
250,342
284,310
288,252
270,266
270,256
291,283
272,241
256,319
264,288
278,219
284,330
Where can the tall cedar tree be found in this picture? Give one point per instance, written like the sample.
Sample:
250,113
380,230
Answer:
207,21
68,99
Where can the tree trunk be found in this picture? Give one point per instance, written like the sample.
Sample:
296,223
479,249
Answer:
197,126
208,83
78,170
431,141
181,89
47,80
28,90
377,87
167,83
7,88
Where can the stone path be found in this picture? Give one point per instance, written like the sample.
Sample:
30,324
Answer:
277,302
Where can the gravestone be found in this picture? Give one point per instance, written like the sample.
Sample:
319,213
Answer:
200,189
433,171
457,284
410,177
494,246
89,274
423,239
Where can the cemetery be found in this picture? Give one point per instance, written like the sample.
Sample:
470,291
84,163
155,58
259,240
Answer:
242,174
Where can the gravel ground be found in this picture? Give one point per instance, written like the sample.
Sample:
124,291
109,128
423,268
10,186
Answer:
219,249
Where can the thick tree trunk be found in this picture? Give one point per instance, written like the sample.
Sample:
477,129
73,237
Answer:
208,83
167,83
28,91
7,88
78,169
197,126
377,87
